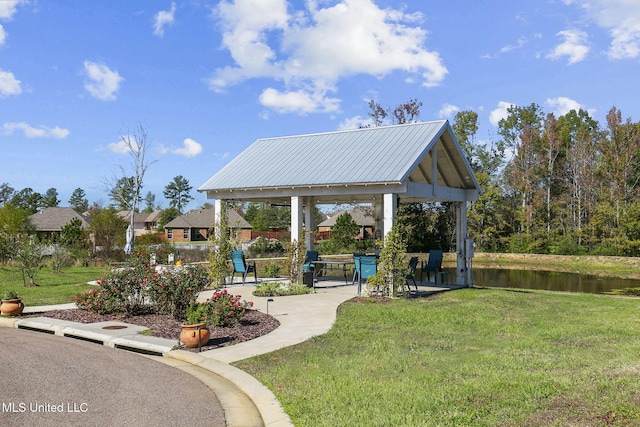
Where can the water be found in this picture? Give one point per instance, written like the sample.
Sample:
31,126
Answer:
549,280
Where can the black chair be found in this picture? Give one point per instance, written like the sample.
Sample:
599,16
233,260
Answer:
240,265
434,264
413,264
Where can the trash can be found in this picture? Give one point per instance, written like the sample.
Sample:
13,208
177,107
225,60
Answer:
307,278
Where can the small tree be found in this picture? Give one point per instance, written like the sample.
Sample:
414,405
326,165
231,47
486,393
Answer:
345,230
295,258
220,255
72,235
393,268
29,257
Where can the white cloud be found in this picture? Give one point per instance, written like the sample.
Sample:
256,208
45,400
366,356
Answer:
190,148
8,8
102,82
574,46
499,113
298,101
9,85
32,132
355,123
519,44
621,19
448,111
562,105
163,18
310,50
120,147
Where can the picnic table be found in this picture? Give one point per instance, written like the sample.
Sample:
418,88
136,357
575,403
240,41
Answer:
322,266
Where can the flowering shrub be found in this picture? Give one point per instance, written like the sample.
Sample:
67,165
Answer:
170,292
132,289
97,301
224,309
125,289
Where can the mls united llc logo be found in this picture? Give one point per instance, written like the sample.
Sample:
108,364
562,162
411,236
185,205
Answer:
66,407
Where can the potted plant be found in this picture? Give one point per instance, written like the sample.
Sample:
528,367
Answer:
194,331
11,304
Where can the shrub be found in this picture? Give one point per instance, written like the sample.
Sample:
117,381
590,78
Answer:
277,289
171,291
96,301
271,270
60,257
224,309
125,289
262,247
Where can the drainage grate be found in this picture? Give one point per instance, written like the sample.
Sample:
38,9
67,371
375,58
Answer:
31,328
138,350
114,327
77,337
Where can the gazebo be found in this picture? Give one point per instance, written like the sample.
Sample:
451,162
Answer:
415,162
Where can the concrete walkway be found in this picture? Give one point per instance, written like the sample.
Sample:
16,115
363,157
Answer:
246,402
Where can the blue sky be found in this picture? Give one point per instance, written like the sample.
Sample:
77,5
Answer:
207,78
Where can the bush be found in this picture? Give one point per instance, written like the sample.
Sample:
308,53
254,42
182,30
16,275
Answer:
96,301
125,290
271,270
171,291
278,289
263,247
224,309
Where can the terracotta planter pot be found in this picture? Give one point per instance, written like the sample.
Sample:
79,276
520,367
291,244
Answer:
11,307
192,337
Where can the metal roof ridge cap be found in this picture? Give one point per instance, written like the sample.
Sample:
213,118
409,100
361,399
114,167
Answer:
349,130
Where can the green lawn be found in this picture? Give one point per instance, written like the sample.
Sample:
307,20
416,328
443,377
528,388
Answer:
473,357
54,288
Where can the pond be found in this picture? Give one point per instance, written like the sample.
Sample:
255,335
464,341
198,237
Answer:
549,280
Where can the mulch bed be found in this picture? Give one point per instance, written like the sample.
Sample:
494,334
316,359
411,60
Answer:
253,325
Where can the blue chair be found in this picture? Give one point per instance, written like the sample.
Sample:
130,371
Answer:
309,259
413,264
356,270
434,264
368,268
240,265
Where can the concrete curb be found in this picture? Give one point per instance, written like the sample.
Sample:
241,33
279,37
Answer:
268,405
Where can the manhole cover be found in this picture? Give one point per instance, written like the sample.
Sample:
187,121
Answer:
113,327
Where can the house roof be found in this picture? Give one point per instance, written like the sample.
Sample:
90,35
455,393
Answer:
204,218
141,217
413,160
362,216
54,218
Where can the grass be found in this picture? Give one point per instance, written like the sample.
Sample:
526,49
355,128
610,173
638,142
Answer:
474,357
54,288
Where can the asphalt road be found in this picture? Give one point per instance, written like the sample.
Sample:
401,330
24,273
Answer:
48,380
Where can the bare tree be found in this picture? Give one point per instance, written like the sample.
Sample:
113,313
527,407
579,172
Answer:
137,145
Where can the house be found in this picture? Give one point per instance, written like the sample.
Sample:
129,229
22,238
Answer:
143,223
49,222
362,215
195,226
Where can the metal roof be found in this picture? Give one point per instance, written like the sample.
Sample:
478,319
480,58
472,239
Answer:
344,165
